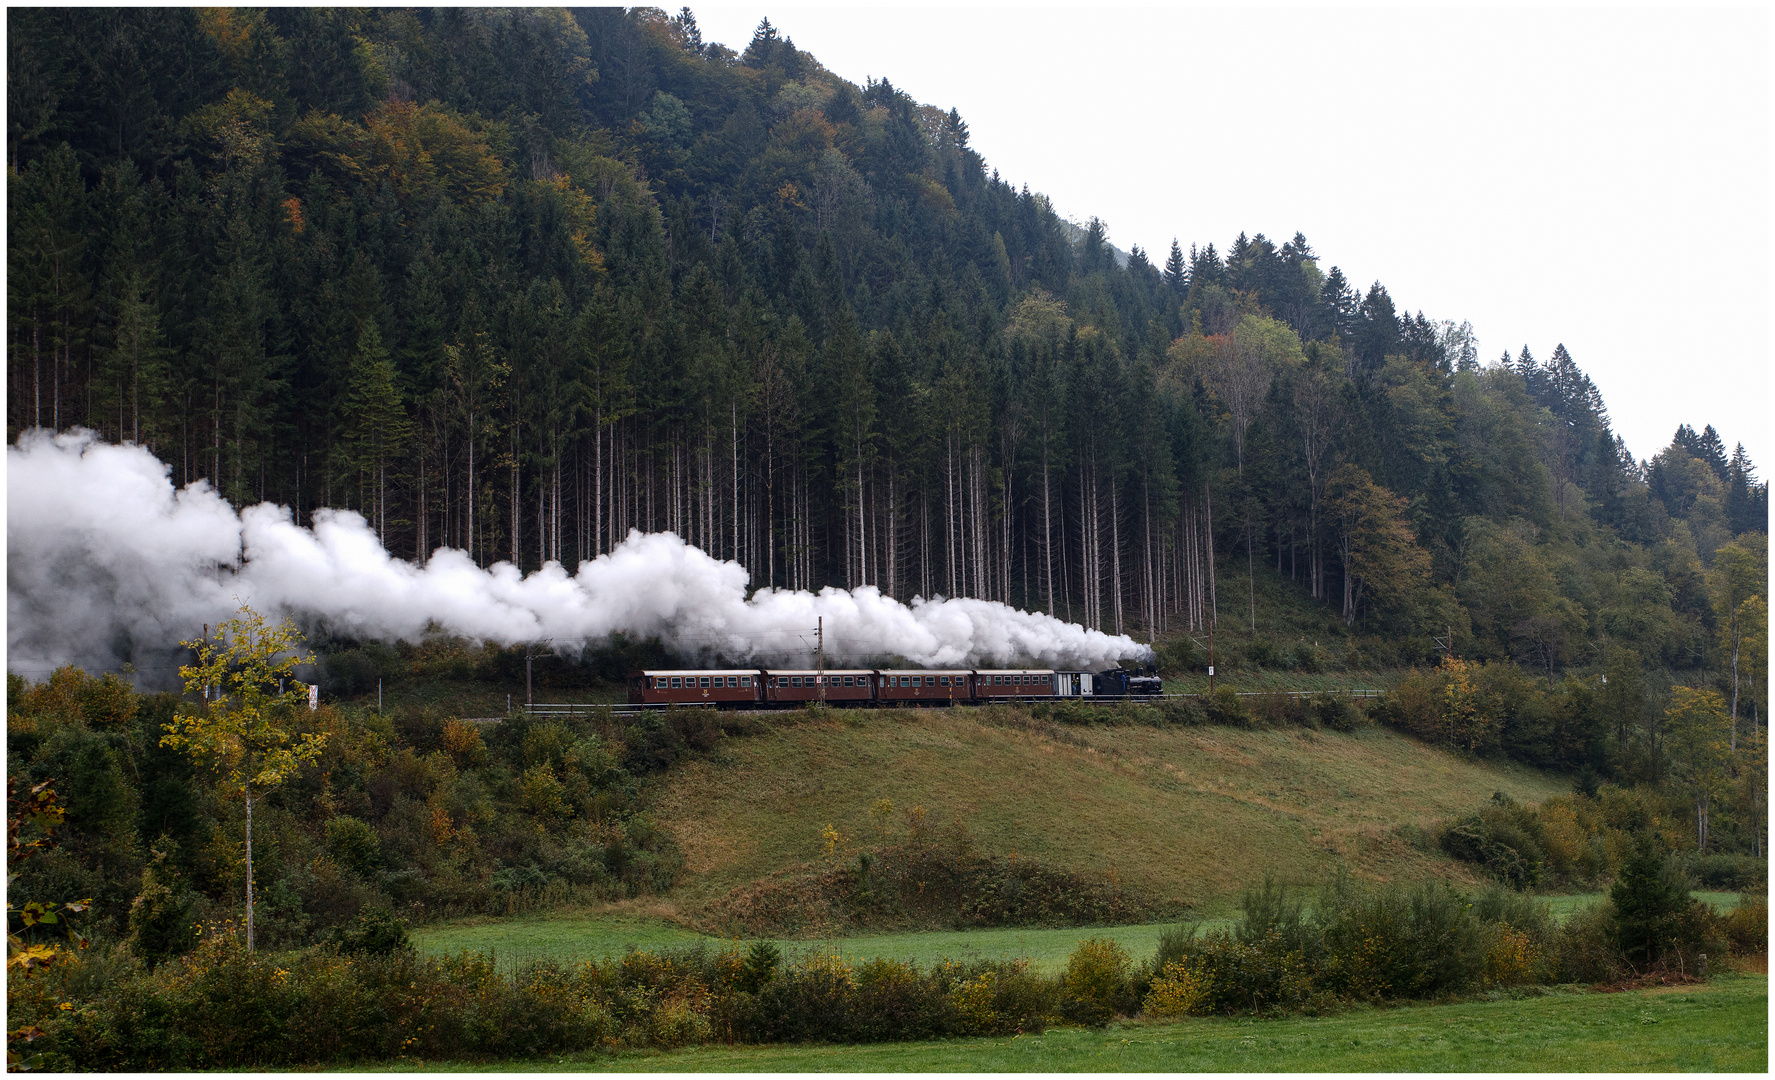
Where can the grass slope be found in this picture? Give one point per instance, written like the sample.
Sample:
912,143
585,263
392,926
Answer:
1721,1026
1186,814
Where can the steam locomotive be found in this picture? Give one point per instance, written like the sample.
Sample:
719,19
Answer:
744,688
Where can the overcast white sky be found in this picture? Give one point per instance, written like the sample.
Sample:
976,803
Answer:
1598,177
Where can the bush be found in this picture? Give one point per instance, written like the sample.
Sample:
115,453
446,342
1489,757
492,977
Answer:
1503,839
1226,707
1221,974
1004,999
1097,985
1179,710
1338,712
1733,873
1584,949
1395,941
354,844
1746,926
162,918
1262,652
376,932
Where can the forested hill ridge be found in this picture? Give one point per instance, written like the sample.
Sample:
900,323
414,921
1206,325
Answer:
517,281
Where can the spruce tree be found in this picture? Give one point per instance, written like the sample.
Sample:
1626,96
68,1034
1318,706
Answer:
1176,272
1712,449
1650,897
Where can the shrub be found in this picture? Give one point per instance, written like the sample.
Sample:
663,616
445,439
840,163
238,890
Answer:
1262,652
1338,712
1222,974
1097,985
354,844
1512,957
1746,926
892,1001
1179,710
1178,991
1225,706
1395,941
1584,949
376,932
1004,999
808,1001
162,918
1503,839
1498,905
1728,872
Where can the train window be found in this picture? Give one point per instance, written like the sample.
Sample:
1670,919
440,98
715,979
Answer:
733,681
794,680
942,680
904,681
930,680
676,681
850,680
745,680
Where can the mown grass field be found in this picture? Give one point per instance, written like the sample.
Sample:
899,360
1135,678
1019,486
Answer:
1191,815
1720,1026
569,937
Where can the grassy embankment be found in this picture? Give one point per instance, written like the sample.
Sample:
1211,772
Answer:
1192,815
1720,1026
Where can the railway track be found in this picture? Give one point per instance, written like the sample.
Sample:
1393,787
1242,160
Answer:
625,710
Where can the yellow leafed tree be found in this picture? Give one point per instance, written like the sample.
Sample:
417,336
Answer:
243,728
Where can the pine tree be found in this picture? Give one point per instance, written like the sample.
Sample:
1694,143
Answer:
1650,898
377,427
1711,449
1176,270
689,35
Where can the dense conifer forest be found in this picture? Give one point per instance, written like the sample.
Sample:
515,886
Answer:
519,281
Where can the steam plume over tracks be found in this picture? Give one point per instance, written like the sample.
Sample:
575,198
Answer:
109,563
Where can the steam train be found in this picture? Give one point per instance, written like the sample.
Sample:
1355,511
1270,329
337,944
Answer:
744,688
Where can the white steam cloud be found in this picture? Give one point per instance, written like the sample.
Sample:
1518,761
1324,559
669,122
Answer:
107,562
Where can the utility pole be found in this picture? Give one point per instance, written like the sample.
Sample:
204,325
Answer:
820,662
1211,656
528,699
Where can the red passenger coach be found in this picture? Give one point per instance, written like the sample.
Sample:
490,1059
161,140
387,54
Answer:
801,685
694,687
1013,683
923,687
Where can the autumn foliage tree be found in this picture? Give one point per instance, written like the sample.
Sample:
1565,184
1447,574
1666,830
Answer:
243,728
1382,560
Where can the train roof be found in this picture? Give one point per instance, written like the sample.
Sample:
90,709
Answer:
1015,671
817,671
695,671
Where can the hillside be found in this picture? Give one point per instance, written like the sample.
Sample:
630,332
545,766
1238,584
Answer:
1191,814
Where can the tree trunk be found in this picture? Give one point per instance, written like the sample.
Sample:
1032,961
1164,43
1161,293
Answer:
248,790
